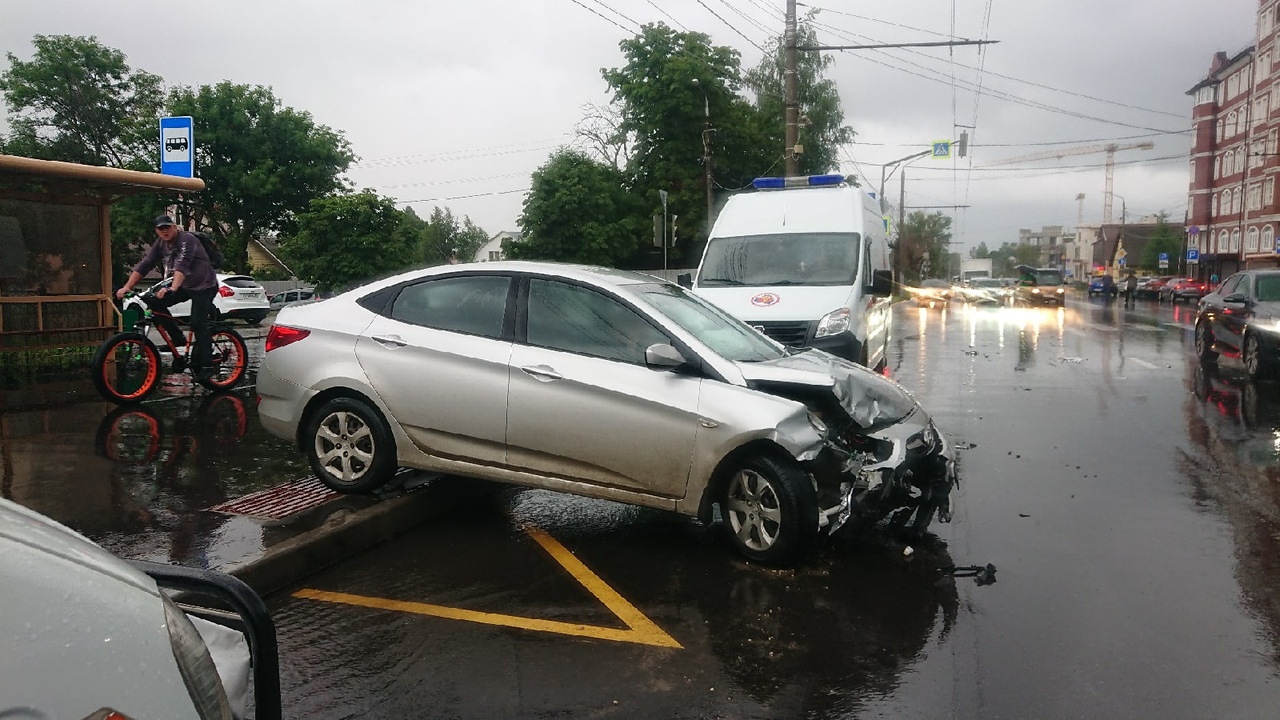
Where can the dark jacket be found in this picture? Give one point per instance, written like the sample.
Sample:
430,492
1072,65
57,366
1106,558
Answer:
185,255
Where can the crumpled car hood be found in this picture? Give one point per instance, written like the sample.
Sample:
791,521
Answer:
872,400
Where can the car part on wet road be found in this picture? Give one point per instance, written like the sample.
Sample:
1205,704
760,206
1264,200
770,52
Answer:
982,574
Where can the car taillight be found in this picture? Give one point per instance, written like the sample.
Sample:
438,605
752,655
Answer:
280,335
225,291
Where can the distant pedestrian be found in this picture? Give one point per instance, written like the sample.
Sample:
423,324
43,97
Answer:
1108,287
1131,290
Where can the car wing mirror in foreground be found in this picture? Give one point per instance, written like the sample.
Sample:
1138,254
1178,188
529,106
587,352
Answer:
685,280
1236,298
882,283
663,356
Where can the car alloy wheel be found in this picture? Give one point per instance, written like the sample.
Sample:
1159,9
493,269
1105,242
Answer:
1254,362
1204,343
350,446
770,510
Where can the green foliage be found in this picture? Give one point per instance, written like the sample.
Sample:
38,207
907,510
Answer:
924,236
578,210
817,97
1163,240
77,100
345,239
262,163
443,237
981,252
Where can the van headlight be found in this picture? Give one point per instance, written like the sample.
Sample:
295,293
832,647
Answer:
833,323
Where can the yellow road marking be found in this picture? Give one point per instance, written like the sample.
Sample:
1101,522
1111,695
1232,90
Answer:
640,629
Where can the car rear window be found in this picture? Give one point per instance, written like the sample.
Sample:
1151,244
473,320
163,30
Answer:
240,281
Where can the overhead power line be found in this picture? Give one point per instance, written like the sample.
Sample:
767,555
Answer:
595,12
464,197
731,27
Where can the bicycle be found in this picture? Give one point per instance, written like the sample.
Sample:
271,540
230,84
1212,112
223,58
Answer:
127,366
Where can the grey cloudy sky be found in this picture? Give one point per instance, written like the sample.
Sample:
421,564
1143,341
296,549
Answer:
455,104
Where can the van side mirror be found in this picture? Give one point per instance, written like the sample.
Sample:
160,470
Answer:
882,283
685,280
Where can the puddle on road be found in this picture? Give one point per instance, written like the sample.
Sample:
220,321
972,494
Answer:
138,479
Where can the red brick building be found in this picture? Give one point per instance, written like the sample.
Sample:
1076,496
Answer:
1232,212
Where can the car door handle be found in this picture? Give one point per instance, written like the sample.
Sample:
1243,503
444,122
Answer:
390,340
542,372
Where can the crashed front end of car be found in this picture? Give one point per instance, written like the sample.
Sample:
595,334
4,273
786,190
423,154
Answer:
881,458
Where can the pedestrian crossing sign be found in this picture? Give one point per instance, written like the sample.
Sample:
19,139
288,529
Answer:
941,149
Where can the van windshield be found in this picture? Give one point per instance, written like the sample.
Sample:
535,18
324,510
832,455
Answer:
767,260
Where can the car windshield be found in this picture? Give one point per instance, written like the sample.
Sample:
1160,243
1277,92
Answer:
770,260
1267,287
727,336
1048,277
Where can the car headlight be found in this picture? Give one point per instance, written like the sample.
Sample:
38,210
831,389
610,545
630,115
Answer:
1035,291
833,323
204,685
1060,291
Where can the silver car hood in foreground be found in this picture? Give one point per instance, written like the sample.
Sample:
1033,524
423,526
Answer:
872,400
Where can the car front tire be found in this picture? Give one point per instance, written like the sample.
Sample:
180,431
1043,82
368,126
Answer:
350,446
1204,343
1256,362
770,510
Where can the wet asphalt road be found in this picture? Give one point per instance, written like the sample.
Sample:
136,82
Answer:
1127,496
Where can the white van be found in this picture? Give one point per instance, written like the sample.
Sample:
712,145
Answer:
806,261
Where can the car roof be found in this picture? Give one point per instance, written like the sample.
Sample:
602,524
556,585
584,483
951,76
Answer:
586,273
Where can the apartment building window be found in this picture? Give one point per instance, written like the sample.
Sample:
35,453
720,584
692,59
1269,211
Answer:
1217,169
1235,201
1229,163
1255,154
1246,78
1205,95
1226,202
1268,239
1253,201
1213,206
1271,141
1251,241
1233,86
1222,242
1264,66
1268,192
1222,124
1264,22
1260,110
1231,123
1235,241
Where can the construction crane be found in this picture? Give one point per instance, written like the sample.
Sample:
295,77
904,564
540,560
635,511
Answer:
1110,149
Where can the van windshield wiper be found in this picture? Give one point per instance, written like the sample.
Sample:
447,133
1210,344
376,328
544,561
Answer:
726,281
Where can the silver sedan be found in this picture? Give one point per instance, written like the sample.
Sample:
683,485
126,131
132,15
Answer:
603,383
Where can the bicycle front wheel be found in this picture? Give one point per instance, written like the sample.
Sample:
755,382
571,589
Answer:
228,362
126,368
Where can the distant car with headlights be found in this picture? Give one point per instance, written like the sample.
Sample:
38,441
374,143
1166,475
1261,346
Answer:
988,291
603,383
933,293
1242,319
89,635
1041,286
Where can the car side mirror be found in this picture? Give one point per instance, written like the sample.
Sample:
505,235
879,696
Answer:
1237,298
685,280
882,283
662,356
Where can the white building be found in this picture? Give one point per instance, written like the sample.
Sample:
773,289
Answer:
492,250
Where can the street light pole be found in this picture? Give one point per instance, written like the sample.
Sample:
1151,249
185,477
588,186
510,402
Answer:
706,152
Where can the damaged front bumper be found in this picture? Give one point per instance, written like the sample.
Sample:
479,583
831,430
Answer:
907,470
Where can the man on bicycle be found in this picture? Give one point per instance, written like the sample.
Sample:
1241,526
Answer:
193,279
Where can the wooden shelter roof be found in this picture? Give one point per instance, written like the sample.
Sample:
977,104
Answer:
106,185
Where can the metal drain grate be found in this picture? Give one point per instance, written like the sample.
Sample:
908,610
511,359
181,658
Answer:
280,501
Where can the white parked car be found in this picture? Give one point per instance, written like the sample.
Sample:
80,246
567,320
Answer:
603,383
239,297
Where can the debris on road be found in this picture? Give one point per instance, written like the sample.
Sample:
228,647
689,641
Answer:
982,574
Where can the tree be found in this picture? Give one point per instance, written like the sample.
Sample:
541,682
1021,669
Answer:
981,251
579,210
817,97
78,101
1162,240
262,163
443,237
345,239
923,237
662,115
600,131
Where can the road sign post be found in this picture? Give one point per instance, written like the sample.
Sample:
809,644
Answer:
1164,261
177,147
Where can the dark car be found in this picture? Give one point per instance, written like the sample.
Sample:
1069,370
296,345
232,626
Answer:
1150,288
1041,286
1187,289
1242,319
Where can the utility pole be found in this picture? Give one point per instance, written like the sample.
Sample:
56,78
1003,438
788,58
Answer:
791,167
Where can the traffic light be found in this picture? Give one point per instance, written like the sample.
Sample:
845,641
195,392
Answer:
673,230
964,143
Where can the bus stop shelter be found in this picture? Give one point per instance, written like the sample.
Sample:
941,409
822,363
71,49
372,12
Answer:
55,248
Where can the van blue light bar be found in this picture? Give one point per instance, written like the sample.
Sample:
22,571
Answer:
777,183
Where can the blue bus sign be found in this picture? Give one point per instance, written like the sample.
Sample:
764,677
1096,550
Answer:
177,147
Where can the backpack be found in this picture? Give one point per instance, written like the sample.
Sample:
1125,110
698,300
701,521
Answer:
216,258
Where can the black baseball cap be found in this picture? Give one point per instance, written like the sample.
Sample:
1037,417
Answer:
162,220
